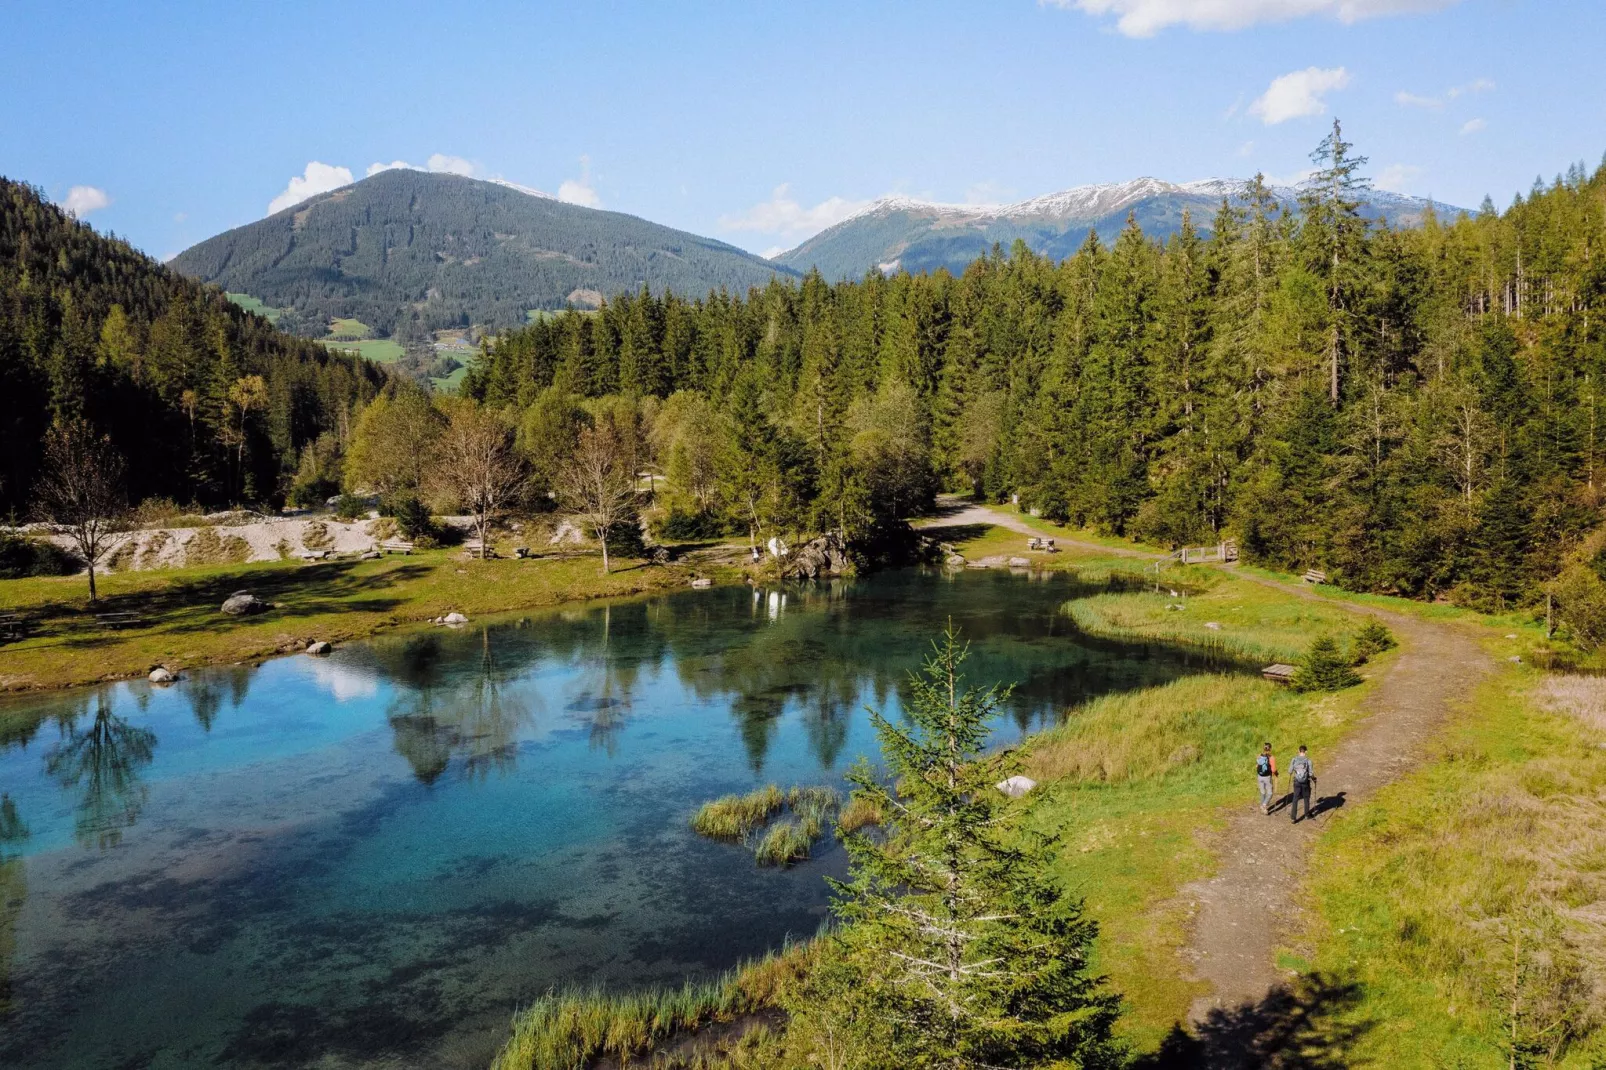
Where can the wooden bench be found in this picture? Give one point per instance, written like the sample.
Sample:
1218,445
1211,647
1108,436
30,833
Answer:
1044,544
13,626
119,620
523,553
396,546
1279,673
313,555
1314,575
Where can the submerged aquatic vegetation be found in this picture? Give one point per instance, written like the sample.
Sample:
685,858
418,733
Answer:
733,817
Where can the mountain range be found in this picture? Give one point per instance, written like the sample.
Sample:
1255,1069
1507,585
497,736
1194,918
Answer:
913,235
409,252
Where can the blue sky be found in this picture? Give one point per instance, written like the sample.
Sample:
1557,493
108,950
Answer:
759,123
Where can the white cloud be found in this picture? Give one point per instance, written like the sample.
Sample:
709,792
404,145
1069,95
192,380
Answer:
783,215
318,178
1396,177
452,165
1246,149
1477,85
579,190
179,217
1298,93
1144,18
438,162
1472,126
81,200
1411,100
772,252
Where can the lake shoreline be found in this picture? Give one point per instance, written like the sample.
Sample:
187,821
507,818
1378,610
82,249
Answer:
330,602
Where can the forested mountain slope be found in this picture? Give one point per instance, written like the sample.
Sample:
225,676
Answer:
1415,410
206,402
900,232
407,252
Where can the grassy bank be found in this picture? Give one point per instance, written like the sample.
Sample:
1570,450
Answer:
1135,784
1464,909
336,601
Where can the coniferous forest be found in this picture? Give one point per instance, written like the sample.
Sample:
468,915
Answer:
1414,410
207,403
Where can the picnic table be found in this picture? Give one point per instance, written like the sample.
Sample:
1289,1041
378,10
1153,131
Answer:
13,626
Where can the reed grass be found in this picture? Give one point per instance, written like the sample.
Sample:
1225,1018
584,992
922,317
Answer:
859,813
734,817
570,1029
786,842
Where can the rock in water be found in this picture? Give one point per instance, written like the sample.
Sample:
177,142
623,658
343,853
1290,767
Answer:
1016,786
243,603
824,556
160,675
319,647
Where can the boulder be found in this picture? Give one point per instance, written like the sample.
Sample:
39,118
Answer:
955,561
1212,625
319,647
1016,786
701,582
454,618
244,603
1020,562
824,556
161,675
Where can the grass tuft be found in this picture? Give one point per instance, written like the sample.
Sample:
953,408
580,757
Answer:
734,817
786,842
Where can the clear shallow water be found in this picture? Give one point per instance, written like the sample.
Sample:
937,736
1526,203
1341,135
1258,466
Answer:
374,858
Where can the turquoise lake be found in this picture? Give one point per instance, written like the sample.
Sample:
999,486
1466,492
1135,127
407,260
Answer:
374,858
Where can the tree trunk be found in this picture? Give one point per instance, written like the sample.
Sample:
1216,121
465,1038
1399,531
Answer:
92,597
602,537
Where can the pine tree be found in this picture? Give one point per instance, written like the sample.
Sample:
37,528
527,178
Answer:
959,949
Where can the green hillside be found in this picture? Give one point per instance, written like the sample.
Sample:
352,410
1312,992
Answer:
91,329
408,252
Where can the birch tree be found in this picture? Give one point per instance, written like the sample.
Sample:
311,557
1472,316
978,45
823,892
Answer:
476,464
598,483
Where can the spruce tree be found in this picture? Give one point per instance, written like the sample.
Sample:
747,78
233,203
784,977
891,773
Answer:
959,949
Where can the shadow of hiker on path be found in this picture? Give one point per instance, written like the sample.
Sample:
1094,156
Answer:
1302,1027
1328,803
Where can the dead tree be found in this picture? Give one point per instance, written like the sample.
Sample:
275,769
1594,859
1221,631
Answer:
81,493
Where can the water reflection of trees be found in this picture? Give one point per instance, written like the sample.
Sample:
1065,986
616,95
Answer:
102,763
821,652
446,711
205,692
13,892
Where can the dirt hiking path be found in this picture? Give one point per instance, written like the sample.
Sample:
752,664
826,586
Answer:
1243,913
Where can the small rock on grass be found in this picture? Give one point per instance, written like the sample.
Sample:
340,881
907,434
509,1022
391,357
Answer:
318,647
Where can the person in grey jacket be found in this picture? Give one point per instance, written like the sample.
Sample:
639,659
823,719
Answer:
1303,774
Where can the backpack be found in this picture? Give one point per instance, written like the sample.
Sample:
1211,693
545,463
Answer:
1263,765
1301,769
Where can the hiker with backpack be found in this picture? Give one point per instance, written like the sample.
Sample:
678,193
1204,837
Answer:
1266,774
1304,778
